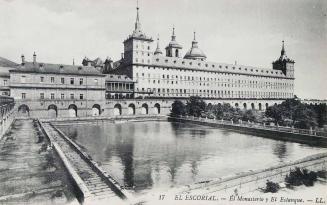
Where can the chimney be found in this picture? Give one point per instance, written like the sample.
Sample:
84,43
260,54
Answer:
34,58
23,59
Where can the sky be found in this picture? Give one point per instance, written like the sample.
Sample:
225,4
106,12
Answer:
247,31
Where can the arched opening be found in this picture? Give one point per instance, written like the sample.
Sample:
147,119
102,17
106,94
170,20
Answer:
252,106
24,111
157,108
267,105
117,110
72,110
144,109
52,111
131,109
236,105
244,106
96,110
260,106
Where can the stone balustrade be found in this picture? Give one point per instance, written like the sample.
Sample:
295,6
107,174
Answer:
6,113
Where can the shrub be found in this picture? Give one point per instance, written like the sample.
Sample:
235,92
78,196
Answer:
271,187
299,176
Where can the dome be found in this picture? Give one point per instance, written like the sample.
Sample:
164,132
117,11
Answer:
195,52
173,43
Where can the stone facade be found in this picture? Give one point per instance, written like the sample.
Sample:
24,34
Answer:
55,90
170,75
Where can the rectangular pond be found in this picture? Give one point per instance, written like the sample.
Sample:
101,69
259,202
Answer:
157,155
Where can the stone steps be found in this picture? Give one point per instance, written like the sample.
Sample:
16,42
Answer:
96,185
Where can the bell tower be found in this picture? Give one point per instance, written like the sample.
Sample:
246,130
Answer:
137,47
173,49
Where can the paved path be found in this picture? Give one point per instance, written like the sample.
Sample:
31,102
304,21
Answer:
29,172
95,184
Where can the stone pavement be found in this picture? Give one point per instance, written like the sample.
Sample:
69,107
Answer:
30,173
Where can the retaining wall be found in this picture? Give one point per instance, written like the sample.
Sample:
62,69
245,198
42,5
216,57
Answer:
274,134
252,180
82,192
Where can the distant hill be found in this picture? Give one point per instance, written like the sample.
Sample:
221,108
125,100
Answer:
7,63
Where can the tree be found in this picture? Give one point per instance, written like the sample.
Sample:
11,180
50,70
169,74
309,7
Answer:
321,111
274,112
250,115
305,117
178,108
195,106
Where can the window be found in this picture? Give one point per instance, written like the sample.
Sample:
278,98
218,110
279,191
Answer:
41,96
81,97
62,80
23,79
52,79
72,96
23,95
52,96
72,81
41,79
81,81
96,82
62,96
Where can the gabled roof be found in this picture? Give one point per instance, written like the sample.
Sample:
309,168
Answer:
47,68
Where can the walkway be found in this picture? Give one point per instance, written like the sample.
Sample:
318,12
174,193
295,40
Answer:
96,186
29,172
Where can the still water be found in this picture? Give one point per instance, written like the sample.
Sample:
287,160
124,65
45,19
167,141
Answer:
158,155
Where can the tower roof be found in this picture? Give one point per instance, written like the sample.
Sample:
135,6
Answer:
173,43
283,56
138,33
195,52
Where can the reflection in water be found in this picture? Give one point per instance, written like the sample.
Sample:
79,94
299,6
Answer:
280,150
158,155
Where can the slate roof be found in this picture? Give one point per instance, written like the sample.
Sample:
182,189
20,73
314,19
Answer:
47,68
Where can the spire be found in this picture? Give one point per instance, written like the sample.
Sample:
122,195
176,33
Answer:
194,42
137,23
157,51
283,49
173,36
